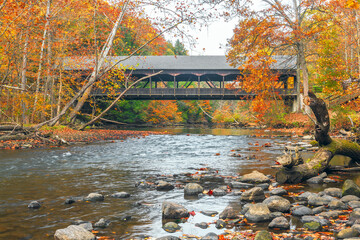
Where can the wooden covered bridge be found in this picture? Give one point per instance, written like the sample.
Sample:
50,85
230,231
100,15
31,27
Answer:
190,77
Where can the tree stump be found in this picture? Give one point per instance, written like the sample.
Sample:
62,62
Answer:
329,147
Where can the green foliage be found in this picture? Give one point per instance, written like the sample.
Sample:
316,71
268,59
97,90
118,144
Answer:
340,117
127,111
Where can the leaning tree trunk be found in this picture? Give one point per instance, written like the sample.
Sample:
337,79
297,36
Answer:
329,147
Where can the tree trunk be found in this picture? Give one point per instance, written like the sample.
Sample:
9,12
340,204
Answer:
329,147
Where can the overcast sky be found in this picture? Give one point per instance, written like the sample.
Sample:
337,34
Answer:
212,40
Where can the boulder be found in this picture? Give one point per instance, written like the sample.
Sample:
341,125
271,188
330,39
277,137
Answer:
120,195
217,192
337,204
102,223
258,213
210,236
277,204
241,185
278,192
304,196
171,210
228,213
255,194
209,213
313,226
315,200
202,225
74,232
348,233
315,180
94,197
334,192
350,188
164,186
321,220
220,224
349,198
171,227
279,222
330,214
302,211
255,177
355,215
192,189
318,210
263,235
34,205
354,204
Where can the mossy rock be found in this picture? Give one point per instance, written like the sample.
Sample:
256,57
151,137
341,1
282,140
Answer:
350,188
313,226
171,227
263,235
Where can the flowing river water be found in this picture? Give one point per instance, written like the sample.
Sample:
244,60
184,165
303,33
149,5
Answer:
52,175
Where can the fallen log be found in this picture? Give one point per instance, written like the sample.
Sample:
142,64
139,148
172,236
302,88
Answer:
329,147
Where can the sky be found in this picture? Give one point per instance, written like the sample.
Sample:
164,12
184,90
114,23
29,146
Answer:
212,40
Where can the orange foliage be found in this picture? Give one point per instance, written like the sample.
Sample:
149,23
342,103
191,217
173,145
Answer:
163,111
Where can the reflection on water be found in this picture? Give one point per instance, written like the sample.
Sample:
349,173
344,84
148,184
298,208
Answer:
52,175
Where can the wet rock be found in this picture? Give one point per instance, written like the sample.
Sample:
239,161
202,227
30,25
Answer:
202,225
313,226
102,223
323,175
237,192
304,196
255,194
321,220
167,238
255,177
263,235
210,236
74,232
302,211
264,186
245,208
277,204
349,198
228,213
329,180
217,192
318,210
125,218
192,189
315,200
279,222
164,186
220,224
34,205
276,214
171,227
171,210
330,214
334,192
354,204
69,200
278,192
241,185
350,188
209,213
315,180
94,197
337,204
348,233
87,225
120,195
258,213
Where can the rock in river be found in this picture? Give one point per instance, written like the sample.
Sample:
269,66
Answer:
350,188
171,210
94,197
278,191
164,186
277,204
255,194
192,189
255,177
229,213
279,222
258,213
73,232
171,227
120,195
34,205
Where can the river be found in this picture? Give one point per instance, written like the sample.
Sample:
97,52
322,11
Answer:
52,175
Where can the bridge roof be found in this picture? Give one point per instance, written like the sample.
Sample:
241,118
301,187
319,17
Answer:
284,62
